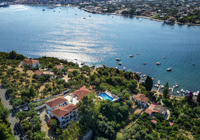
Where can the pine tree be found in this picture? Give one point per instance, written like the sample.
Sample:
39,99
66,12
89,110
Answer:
148,83
166,91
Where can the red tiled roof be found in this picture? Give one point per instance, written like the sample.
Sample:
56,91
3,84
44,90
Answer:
59,67
81,92
30,61
56,101
154,121
141,97
37,72
70,70
47,72
150,109
63,111
171,124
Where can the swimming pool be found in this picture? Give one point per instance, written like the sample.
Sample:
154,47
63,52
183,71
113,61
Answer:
105,96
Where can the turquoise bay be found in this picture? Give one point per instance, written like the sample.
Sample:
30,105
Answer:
35,33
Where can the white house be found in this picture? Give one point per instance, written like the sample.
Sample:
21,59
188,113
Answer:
54,103
66,114
141,99
30,62
64,108
61,109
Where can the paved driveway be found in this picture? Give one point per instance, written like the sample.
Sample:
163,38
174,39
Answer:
16,127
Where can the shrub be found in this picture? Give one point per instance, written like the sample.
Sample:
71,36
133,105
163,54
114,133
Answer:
118,126
137,137
129,103
137,127
127,96
143,133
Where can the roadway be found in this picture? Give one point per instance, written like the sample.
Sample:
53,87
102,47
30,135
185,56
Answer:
15,125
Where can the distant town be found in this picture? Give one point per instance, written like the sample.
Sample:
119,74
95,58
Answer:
179,11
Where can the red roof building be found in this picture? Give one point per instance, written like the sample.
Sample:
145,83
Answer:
64,111
156,109
38,73
141,99
81,92
59,67
57,101
29,61
154,121
70,70
171,124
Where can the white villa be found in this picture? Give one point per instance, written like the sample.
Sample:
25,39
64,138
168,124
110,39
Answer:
64,107
30,62
141,100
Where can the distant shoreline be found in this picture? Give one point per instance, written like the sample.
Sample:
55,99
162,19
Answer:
145,17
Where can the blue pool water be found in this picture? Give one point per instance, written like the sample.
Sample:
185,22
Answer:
105,96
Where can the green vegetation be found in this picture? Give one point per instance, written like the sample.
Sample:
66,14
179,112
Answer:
5,129
31,124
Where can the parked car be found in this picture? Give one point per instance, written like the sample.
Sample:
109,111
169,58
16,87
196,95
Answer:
26,109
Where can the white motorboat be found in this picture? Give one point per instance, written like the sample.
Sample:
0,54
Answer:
176,85
130,55
178,92
139,73
169,69
120,63
144,75
124,68
158,82
117,59
161,86
158,63
181,90
173,87
152,79
156,85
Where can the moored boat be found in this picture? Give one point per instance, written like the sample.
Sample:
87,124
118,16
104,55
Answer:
117,59
169,69
130,55
4,4
158,63
120,63
144,63
158,82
